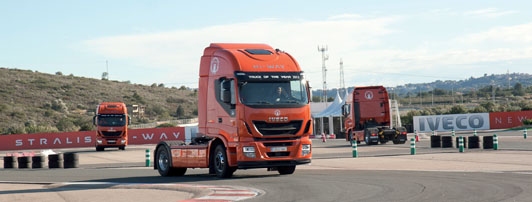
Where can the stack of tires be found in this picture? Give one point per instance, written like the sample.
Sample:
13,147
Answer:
37,161
71,160
55,161
487,142
446,141
473,142
10,162
24,162
435,141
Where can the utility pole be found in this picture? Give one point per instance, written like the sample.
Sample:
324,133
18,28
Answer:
432,91
342,81
324,57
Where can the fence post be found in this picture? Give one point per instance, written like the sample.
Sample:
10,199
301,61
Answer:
355,150
453,133
461,144
474,132
524,134
412,146
147,158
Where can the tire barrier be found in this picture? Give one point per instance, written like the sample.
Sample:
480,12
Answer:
463,139
55,161
473,142
487,142
37,161
24,162
435,141
446,141
71,160
10,162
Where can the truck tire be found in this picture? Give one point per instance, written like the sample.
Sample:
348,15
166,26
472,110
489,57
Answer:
99,148
122,147
221,166
286,170
164,163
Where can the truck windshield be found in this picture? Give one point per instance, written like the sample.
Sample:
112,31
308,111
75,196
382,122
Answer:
111,120
280,93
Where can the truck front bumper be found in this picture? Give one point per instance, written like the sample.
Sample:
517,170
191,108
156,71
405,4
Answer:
269,164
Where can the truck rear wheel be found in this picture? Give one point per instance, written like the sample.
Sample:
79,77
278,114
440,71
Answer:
221,165
164,164
99,148
286,170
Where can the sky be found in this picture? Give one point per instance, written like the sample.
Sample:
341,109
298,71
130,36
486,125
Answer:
380,42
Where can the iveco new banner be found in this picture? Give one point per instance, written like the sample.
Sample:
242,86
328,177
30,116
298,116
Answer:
449,122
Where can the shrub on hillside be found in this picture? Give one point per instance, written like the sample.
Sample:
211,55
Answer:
165,125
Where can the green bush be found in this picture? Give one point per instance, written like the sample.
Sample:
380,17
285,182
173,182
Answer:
527,121
166,125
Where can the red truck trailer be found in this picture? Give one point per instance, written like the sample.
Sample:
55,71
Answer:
253,112
367,117
111,121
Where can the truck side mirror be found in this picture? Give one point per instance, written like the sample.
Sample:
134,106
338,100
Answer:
94,120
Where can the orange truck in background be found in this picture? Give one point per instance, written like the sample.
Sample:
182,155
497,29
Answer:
111,121
368,117
253,112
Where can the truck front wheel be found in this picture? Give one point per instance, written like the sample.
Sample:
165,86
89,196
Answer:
99,148
286,170
221,164
164,164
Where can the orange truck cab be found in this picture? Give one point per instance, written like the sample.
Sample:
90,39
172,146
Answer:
111,121
368,117
253,112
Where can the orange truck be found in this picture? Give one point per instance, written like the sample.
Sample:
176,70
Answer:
111,121
368,117
253,112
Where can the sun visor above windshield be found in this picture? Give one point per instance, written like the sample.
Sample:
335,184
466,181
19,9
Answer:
268,76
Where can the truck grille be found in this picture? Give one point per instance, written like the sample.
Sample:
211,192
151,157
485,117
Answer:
278,144
111,134
272,129
278,154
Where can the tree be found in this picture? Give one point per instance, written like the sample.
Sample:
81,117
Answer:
182,88
161,85
518,90
59,73
180,112
105,76
457,109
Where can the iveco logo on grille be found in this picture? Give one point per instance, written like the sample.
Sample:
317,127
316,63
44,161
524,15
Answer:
277,112
277,119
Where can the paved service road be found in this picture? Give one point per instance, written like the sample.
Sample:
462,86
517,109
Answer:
382,173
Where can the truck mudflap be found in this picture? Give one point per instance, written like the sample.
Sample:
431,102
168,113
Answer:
268,164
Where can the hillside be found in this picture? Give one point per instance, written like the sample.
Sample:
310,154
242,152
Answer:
38,102
464,86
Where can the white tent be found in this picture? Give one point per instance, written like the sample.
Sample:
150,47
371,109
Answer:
334,110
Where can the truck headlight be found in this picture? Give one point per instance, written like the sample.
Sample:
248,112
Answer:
123,141
99,141
249,152
305,149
